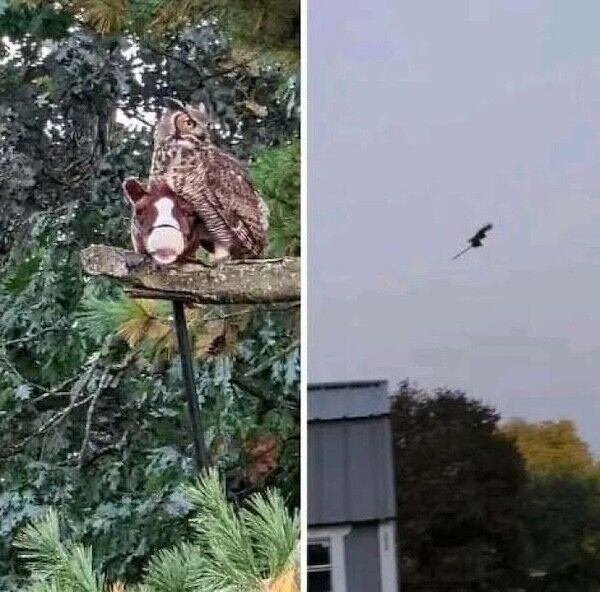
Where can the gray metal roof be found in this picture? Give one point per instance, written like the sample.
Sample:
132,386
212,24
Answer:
347,400
350,471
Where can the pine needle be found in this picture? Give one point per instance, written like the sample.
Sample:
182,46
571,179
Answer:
222,538
145,322
105,16
175,570
245,549
273,530
68,568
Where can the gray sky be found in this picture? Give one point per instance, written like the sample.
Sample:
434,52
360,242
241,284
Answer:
426,120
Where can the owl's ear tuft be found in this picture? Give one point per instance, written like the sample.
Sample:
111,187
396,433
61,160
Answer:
173,104
134,190
199,113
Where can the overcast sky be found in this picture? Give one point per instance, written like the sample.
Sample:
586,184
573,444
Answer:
428,119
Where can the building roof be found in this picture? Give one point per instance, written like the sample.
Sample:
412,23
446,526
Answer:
348,400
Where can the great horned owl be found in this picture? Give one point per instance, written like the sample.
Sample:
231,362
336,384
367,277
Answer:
212,181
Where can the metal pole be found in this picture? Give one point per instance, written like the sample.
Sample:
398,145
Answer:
187,370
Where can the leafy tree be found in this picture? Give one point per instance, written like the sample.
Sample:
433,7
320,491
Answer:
562,522
562,510
460,483
272,25
89,379
262,32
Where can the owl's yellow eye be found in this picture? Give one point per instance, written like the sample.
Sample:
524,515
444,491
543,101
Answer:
184,123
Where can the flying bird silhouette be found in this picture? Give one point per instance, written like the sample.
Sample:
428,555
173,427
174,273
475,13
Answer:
476,240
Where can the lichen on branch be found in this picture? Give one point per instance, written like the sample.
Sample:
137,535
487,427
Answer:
258,281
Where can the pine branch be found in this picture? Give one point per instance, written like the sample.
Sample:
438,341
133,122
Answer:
273,530
221,537
68,568
176,570
251,549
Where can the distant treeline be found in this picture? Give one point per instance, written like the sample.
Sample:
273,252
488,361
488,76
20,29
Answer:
485,505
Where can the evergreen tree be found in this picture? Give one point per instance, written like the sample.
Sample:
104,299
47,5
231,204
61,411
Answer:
248,549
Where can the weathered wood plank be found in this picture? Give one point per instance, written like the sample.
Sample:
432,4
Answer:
257,281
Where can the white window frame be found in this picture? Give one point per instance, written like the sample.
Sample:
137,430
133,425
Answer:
322,567
388,556
337,552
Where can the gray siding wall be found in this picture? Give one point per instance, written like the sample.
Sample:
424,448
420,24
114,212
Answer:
350,471
362,559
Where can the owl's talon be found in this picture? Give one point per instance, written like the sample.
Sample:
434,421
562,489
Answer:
218,263
220,257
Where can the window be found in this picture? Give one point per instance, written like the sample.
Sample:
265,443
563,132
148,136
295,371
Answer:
326,564
319,565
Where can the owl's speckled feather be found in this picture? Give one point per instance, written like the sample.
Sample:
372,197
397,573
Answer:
212,181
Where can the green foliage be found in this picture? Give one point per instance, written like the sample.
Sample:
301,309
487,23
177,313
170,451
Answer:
241,548
231,549
63,567
273,532
223,539
97,420
469,513
100,316
41,20
264,25
562,510
460,485
562,522
176,570
276,173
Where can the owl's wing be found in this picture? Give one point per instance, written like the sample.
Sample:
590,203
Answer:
219,189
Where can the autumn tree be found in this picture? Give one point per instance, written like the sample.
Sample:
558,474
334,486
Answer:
551,446
562,505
